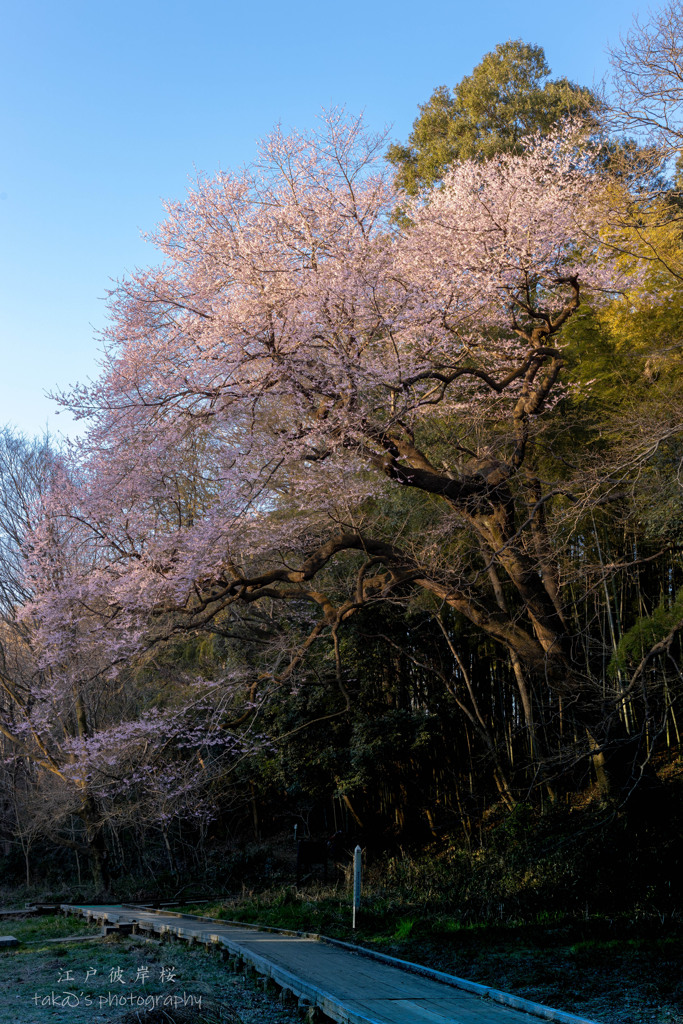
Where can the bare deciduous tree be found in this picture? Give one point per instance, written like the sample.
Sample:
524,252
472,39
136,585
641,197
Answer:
647,79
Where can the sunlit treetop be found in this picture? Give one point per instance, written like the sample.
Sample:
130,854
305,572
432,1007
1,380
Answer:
508,97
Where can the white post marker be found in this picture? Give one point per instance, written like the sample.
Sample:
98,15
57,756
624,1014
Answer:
356,882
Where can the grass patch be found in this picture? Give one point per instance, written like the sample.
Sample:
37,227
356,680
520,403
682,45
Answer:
50,926
87,975
404,928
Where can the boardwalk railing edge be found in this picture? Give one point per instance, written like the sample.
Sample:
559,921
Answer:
485,991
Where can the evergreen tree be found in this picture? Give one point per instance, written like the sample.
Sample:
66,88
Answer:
508,96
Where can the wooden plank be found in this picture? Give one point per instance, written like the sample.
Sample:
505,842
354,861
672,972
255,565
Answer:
425,1011
482,1011
397,1011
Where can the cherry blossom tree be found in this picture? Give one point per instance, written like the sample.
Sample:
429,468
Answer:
76,745
307,404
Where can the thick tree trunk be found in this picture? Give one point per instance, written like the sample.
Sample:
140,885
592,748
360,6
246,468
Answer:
98,855
614,755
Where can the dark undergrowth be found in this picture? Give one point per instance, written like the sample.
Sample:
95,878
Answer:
580,910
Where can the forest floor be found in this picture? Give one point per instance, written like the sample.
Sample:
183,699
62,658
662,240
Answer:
618,982
114,979
611,971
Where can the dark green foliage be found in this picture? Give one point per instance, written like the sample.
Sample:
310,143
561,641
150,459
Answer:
508,96
649,630
524,868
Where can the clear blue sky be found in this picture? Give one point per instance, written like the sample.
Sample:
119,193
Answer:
105,108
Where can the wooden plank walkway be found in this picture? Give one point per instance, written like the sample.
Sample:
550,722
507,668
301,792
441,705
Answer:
347,984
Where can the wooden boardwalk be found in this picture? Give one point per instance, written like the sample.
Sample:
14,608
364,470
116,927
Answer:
333,979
